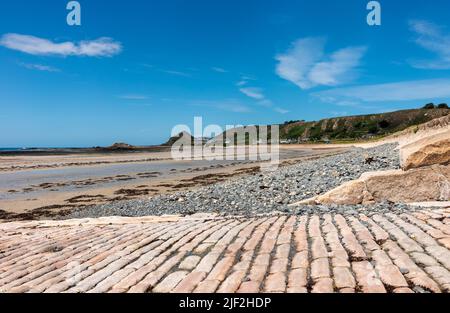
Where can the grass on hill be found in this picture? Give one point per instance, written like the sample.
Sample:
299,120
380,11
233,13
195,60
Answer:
362,127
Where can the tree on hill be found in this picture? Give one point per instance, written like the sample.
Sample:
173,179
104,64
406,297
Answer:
384,124
429,106
443,106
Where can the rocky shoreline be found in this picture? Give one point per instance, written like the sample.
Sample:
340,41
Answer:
267,191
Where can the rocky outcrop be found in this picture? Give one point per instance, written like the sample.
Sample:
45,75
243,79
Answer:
121,146
426,151
424,177
417,185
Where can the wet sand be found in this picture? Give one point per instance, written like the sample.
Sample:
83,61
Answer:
39,186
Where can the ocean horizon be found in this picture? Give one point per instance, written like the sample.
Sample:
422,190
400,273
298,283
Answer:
35,148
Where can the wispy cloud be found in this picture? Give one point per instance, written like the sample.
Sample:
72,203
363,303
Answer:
40,67
281,110
176,73
266,103
306,65
146,65
133,97
230,105
102,47
258,94
253,92
233,107
399,91
432,38
219,70
244,80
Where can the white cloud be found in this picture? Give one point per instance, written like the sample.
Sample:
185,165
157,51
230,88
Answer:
399,91
40,67
219,70
177,73
102,47
339,69
133,97
431,38
253,92
306,65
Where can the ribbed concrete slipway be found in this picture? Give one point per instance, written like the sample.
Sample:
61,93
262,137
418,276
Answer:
205,253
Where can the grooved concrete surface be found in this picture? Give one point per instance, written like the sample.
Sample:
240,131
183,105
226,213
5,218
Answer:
203,253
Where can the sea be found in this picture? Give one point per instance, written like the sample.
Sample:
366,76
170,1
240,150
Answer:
23,149
12,149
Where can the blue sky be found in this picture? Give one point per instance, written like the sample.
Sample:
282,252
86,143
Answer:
135,69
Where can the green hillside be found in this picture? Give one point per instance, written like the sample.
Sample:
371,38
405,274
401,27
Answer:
359,127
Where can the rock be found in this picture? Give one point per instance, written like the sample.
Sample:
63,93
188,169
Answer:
416,185
427,152
369,160
428,145
121,146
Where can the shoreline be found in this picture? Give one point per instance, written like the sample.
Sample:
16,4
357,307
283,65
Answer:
78,151
139,179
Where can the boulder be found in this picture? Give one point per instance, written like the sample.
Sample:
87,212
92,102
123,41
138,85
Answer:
417,185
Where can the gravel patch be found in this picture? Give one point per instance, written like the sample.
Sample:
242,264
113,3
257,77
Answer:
267,191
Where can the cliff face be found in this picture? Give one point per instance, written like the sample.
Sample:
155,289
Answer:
359,127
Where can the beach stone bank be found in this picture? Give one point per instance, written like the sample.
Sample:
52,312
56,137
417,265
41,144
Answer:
263,192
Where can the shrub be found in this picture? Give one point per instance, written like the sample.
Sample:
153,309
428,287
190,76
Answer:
315,133
373,129
384,124
358,124
429,106
443,106
296,132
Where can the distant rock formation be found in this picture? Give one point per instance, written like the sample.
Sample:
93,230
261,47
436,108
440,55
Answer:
121,146
174,139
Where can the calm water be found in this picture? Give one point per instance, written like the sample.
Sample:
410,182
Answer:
23,179
12,149
25,149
